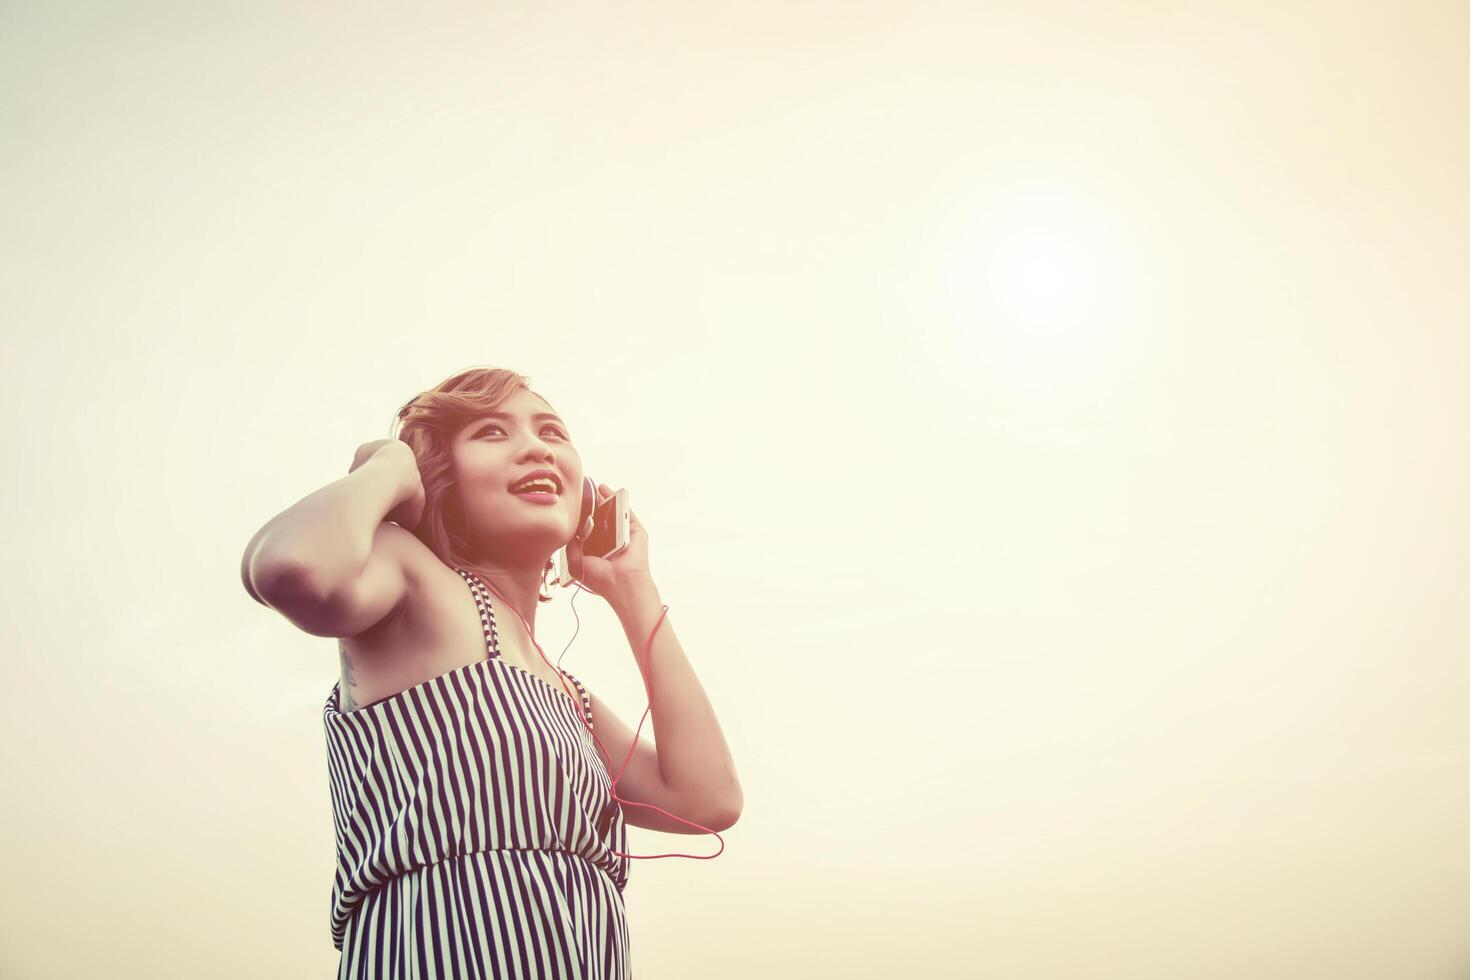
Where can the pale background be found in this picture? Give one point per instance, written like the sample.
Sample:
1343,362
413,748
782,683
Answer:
1049,421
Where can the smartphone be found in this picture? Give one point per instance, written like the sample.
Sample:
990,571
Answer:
609,537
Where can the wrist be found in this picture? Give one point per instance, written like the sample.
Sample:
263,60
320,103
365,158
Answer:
398,459
633,593
408,466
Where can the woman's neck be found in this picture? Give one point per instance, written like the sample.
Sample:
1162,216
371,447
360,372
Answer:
518,589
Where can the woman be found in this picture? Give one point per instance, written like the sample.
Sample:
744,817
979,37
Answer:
477,832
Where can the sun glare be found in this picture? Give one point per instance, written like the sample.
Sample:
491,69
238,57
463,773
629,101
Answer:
1039,279
1038,259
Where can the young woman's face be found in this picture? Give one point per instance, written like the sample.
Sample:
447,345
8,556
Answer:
495,451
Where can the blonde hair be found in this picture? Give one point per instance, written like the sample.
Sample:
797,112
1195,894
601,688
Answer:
429,422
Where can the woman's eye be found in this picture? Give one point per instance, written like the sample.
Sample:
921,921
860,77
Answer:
499,429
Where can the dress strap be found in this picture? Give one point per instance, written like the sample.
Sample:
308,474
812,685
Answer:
487,613
492,637
586,701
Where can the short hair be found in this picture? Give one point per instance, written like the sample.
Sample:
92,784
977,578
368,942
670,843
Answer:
429,421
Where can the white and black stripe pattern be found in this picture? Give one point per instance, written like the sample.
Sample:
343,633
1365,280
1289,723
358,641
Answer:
467,812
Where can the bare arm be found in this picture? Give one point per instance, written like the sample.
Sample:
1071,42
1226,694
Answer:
691,773
322,547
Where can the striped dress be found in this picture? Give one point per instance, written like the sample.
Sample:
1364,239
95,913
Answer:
475,828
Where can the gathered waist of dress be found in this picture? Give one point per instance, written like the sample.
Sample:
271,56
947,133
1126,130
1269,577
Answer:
527,851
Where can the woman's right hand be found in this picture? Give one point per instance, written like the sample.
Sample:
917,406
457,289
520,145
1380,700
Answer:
409,509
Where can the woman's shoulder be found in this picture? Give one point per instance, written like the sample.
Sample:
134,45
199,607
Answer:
425,634
430,586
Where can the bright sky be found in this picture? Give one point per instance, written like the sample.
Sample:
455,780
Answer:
1048,421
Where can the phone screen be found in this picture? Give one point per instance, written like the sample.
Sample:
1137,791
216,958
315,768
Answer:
604,536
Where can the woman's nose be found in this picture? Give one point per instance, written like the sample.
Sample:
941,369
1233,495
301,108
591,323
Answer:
539,447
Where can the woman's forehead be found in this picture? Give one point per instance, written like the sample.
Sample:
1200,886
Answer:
526,400
522,404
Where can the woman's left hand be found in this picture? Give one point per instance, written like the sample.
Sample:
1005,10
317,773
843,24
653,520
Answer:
608,577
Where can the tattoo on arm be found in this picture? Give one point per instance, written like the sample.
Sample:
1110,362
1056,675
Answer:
348,681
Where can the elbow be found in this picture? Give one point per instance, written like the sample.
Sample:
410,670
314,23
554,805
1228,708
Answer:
274,582
727,814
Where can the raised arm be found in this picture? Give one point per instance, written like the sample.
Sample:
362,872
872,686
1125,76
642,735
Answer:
328,563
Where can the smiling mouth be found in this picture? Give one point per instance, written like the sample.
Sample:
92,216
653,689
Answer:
537,498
